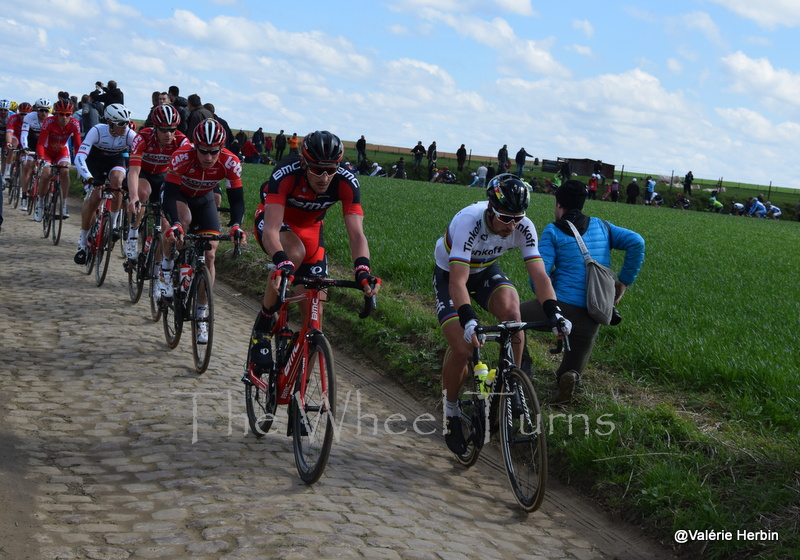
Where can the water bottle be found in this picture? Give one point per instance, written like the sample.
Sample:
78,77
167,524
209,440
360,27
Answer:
480,371
147,243
186,276
489,381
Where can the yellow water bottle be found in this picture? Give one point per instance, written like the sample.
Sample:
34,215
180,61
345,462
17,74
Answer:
481,371
489,381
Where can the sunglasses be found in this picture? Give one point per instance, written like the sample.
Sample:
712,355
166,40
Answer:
207,152
166,130
507,218
64,114
42,110
120,123
317,171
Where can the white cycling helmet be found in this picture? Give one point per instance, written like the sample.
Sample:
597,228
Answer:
117,113
5,104
42,103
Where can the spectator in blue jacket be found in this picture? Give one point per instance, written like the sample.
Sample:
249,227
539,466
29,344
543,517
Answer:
564,264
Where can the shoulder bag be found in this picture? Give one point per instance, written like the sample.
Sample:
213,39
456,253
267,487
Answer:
600,282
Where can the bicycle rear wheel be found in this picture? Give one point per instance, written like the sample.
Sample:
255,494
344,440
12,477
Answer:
57,216
47,215
13,194
123,225
313,408
201,290
152,268
172,317
522,437
135,270
104,247
91,244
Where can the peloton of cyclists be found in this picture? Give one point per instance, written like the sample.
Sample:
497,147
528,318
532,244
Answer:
28,139
52,148
288,222
188,199
147,168
101,157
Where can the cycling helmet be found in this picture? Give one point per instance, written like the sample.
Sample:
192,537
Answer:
64,106
117,113
5,104
209,133
24,108
322,148
42,103
507,194
166,116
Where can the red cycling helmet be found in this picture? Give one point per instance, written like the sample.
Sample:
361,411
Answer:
24,108
64,106
209,133
166,116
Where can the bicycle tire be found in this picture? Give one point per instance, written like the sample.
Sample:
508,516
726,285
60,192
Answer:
471,424
260,405
58,216
201,284
172,313
313,418
47,215
104,247
124,222
13,195
151,266
523,441
135,269
91,241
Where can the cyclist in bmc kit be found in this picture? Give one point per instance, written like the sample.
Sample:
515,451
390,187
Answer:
147,168
28,139
289,221
466,267
52,148
101,156
188,199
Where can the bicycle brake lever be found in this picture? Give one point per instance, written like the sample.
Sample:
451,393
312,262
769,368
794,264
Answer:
370,304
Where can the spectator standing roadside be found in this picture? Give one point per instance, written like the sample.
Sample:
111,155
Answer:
564,264
280,146
461,157
502,159
112,94
197,113
258,139
242,137
181,105
593,180
229,139
632,191
614,191
432,156
361,149
649,189
294,144
520,161
418,151
89,115
687,184
268,145
481,174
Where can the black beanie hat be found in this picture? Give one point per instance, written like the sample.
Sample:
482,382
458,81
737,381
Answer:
572,195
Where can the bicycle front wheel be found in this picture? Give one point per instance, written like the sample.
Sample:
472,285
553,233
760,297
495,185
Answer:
56,213
202,322
522,437
172,317
152,268
47,215
104,246
123,225
13,194
313,408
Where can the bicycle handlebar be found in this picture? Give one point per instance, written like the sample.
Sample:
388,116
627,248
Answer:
237,243
516,326
317,283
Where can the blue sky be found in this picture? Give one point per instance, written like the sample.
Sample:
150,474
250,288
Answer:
704,85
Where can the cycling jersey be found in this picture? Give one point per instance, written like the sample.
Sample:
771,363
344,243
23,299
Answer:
469,241
15,125
151,156
29,134
52,145
100,143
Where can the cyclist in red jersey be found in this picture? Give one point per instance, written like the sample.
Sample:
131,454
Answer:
147,168
188,197
14,126
288,222
52,148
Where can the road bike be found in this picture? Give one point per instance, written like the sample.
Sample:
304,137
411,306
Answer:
504,400
145,265
52,211
193,297
302,376
100,242
32,188
14,178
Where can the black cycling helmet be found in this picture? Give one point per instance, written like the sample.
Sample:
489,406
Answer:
507,194
322,148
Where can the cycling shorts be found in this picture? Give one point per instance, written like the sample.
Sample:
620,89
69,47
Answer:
156,181
203,209
316,261
481,286
58,158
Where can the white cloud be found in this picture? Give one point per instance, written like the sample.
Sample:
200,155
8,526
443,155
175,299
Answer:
766,13
519,7
585,26
761,80
674,65
586,51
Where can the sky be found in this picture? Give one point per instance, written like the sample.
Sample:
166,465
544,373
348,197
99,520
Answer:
711,86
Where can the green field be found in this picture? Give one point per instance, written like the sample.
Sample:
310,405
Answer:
700,380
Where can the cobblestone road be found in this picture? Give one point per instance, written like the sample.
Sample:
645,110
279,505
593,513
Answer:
113,448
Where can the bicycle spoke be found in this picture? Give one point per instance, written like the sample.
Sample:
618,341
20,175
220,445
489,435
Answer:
202,323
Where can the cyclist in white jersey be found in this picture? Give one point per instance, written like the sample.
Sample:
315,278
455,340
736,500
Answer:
466,268
101,156
28,138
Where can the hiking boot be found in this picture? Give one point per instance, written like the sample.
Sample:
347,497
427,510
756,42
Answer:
566,386
454,438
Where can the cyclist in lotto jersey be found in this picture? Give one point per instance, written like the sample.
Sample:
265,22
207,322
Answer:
466,268
147,167
289,221
52,148
188,199
100,157
28,139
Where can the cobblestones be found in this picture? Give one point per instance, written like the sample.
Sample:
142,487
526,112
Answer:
126,453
